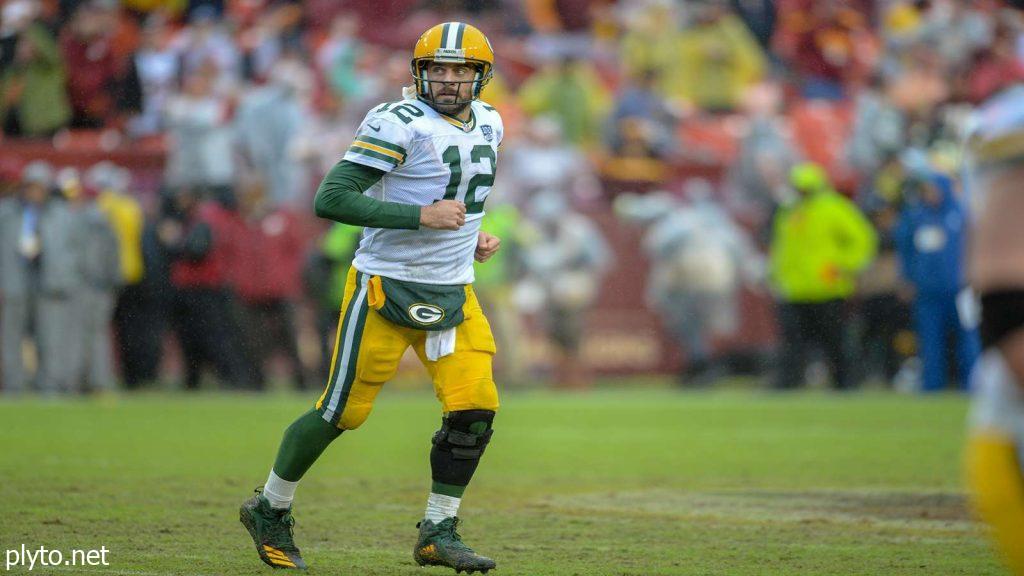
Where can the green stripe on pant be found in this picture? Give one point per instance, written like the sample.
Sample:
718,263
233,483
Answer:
349,338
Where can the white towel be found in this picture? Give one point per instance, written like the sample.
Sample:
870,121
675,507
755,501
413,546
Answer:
440,343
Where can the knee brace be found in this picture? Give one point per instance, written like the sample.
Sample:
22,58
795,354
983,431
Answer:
459,444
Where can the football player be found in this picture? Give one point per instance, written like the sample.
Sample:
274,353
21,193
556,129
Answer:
995,454
416,177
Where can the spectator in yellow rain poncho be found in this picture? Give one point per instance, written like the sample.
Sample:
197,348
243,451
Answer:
820,242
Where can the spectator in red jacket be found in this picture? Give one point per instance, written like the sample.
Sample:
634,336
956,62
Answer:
200,313
269,281
827,46
91,63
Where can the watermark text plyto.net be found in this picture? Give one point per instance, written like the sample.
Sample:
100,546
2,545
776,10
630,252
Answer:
32,558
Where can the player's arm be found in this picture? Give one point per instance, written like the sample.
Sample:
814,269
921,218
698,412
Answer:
379,147
341,198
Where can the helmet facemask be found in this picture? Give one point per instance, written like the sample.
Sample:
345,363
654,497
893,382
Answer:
427,89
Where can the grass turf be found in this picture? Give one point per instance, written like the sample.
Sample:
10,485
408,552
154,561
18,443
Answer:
617,482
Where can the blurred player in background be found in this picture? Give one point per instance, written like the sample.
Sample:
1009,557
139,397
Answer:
995,455
702,260
996,449
564,256
432,156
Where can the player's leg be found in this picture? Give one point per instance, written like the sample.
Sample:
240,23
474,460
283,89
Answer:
54,341
930,320
101,368
14,324
223,338
284,320
355,378
792,347
995,455
995,450
464,384
997,482
184,329
827,325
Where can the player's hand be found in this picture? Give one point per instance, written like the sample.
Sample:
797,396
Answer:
486,246
443,215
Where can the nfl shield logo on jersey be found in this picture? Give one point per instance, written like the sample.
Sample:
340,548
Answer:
488,132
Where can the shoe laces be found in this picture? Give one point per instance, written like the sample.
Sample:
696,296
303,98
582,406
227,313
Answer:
283,531
285,516
449,531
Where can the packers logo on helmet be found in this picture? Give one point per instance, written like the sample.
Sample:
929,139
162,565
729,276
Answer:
452,42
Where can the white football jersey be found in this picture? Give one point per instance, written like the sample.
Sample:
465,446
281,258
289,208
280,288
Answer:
428,157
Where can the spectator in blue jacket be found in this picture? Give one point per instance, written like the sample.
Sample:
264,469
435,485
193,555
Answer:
930,239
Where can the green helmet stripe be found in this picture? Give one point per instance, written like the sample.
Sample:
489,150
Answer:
458,35
444,34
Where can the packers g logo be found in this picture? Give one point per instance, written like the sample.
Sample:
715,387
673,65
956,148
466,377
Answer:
426,313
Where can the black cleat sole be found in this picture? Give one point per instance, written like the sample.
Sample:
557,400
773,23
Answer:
457,570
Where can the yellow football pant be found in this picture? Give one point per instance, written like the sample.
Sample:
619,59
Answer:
368,349
996,481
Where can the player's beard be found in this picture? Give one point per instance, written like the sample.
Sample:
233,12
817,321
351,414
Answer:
449,108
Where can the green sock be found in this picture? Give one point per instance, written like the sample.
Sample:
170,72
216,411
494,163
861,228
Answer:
447,489
304,441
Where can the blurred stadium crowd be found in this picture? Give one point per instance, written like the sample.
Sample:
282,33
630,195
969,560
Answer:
700,164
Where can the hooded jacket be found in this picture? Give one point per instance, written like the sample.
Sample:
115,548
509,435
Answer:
820,243
930,241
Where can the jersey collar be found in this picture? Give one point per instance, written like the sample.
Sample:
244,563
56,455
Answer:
467,126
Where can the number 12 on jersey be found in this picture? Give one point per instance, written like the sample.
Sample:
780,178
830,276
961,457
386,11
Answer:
453,158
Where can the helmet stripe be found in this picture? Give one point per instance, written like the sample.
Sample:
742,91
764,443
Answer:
444,34
461,28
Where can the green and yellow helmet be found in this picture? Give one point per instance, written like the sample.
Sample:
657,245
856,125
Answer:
454,42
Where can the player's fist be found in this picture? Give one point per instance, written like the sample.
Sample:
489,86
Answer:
486,246
443,215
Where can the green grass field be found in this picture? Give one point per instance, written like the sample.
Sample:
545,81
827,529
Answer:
617,482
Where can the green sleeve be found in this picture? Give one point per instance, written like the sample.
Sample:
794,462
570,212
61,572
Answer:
340,198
